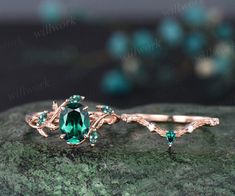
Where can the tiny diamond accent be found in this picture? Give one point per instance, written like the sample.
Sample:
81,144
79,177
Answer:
190,129
151,127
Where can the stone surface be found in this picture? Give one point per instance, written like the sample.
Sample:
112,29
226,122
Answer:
127,159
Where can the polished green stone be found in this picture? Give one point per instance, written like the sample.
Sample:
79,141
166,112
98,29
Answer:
74,123
42,118
74,101
170,135
94,136
107,109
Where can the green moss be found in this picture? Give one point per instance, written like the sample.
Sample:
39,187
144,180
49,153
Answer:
30,170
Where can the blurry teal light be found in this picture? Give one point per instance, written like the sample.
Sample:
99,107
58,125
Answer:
224,31
115,83
144,43
118,45
171,32
195,15
50,11
223,66
195,43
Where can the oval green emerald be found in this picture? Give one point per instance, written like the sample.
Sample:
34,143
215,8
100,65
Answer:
74,123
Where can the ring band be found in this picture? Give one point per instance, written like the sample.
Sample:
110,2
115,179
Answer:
77,124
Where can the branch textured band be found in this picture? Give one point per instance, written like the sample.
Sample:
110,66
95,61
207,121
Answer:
77,124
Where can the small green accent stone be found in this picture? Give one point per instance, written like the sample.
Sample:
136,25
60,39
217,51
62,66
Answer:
94,136
74,101
170,135
107,109
74,123
42,118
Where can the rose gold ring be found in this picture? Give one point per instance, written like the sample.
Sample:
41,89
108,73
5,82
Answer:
77,125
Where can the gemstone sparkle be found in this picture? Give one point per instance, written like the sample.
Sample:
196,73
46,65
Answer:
74,122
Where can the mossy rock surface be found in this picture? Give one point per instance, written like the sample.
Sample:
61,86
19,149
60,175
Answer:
127,160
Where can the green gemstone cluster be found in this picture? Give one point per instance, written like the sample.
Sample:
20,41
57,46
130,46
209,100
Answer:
170,135
74,121
42,118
